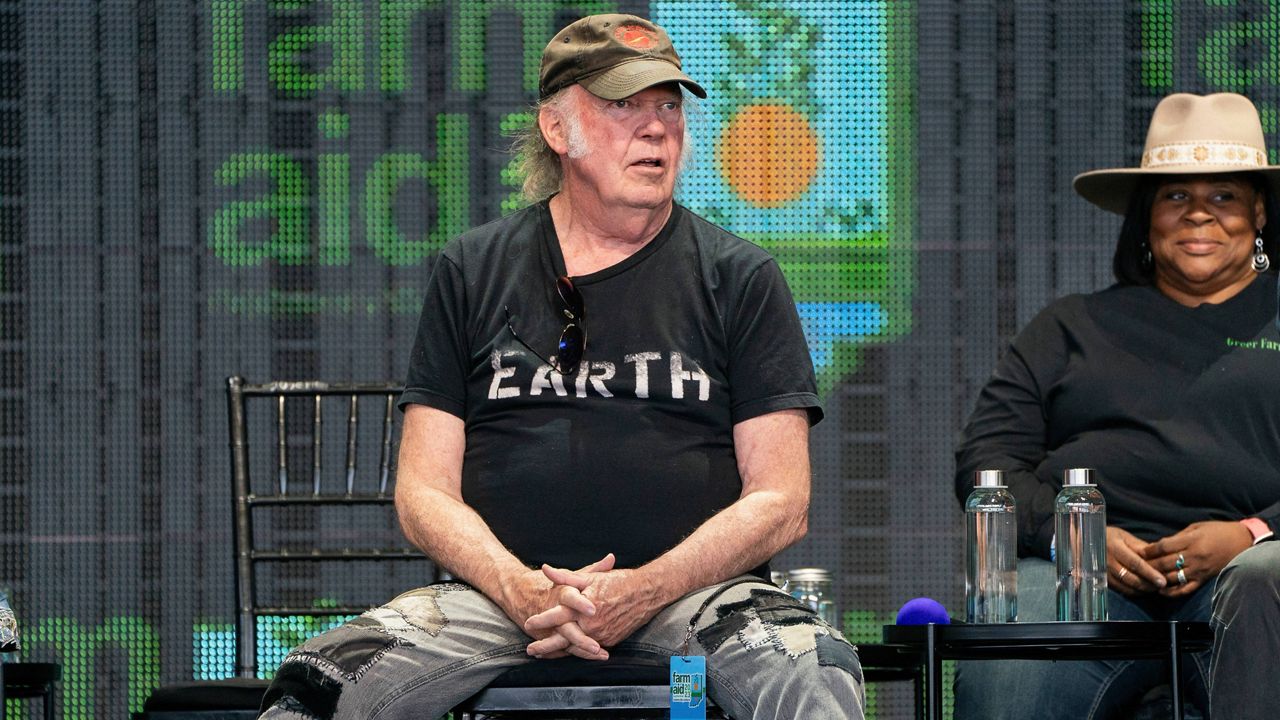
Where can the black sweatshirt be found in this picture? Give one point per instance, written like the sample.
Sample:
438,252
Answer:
1177,408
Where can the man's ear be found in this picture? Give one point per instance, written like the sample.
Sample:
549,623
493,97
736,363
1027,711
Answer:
551,124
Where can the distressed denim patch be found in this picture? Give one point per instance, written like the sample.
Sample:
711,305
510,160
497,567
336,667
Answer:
766,617
838,653
415,610
755,634
714,635
784,610
348,650
304,689
793,640
796,640
766,603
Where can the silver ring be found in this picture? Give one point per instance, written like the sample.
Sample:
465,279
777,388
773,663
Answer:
1182,576
1182,562
1123,571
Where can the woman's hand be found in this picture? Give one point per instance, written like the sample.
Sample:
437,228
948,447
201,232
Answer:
1199,551
1128,571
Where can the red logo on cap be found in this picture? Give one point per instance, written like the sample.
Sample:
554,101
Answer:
640,38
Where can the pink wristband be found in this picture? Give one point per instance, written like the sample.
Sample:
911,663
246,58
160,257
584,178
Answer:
1258,528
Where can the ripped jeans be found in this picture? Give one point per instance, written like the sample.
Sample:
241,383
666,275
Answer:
768,656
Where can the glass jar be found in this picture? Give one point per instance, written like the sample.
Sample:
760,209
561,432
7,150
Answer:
812,586
778,578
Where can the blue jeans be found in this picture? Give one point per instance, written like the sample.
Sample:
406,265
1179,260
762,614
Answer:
1072,690
1246,636
768,656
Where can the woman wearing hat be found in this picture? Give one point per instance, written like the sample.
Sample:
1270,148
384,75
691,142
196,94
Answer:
1168,385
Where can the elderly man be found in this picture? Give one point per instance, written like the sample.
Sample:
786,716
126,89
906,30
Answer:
617,498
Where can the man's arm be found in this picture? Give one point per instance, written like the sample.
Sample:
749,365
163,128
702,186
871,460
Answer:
771,513
435,518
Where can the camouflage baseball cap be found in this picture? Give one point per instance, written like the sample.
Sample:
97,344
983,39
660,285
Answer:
613,57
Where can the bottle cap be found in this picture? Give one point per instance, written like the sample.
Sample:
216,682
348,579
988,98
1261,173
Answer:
1078,476
989,478
812,574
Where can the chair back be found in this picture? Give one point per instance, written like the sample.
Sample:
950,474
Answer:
313,488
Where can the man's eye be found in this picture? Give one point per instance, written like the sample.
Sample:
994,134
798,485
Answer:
620,103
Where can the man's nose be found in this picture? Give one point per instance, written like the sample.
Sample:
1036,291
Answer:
651,123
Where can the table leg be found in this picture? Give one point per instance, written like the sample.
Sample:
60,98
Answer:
934,679
1175,671
918,693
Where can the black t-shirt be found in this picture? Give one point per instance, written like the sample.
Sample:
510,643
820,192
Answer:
693,333
1177,408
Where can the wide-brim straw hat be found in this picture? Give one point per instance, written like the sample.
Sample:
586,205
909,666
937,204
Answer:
1189,135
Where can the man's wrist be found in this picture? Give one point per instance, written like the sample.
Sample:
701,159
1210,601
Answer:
660,588
514,586
1258,529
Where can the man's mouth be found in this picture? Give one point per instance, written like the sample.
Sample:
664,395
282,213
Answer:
649,162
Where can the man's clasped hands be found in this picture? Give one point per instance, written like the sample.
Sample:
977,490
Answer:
580,612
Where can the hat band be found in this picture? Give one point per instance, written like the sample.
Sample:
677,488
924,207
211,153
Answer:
1208,154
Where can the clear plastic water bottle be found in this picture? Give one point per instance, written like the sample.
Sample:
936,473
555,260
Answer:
812,586
8,630
991,543
1080,521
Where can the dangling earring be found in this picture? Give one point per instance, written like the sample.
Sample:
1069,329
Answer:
1146,260
1261,263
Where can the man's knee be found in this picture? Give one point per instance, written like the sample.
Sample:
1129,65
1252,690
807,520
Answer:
766,619
284,708
301,690
313,677
774,647
835,652
348,666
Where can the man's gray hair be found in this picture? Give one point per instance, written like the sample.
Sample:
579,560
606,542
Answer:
539,165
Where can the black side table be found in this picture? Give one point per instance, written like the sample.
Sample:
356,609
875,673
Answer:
1048,641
